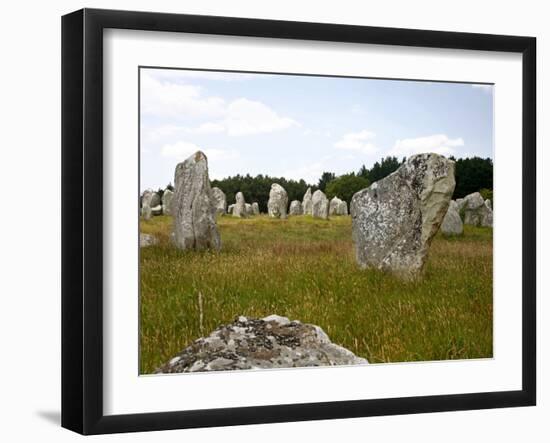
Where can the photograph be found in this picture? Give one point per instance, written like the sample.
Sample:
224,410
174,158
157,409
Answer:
300,220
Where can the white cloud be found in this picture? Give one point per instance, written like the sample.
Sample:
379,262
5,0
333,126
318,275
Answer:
310,173
246,117
167,99
358,141
236,118
182,150
485,88
438,143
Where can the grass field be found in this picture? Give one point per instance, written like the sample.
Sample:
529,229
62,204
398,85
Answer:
304,269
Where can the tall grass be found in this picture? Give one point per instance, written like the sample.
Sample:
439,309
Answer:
305,269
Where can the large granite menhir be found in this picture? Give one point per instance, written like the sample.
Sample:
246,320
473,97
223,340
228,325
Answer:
193,209
278,201
395,219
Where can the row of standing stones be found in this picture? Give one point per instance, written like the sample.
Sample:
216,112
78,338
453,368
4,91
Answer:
393,224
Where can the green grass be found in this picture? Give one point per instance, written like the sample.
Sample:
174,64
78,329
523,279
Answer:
305,269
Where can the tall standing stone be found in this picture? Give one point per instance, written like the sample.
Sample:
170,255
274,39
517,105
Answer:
278,201
296,208
255,208
220,201
155,200
452,223
319,205
395,219
307,203
167,202
146,199
239,209
194,212
334,205
343,208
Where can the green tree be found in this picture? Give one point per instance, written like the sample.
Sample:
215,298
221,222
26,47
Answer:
325,179
384,168
472,175
345,186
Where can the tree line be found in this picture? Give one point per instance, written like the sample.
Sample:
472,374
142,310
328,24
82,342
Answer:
472,174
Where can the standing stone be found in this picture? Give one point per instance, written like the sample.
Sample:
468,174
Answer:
194,212
395,219
307,203
155,200
343,208
452,223
476,212
239,208
278,201
157,210
147,213
167,202
146,204
255,208
296,208
319,205
220,202
334,205
489,204
248,210
230,209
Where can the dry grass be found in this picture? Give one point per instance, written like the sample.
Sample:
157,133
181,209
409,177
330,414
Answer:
304,269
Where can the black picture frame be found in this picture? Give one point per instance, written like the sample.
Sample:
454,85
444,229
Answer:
82,218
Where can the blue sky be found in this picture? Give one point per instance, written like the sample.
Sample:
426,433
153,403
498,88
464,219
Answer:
299,126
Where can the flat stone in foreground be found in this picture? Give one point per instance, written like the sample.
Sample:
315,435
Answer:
271,342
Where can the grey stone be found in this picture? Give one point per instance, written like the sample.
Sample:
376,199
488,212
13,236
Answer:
167,202
230,209
307,203
476,212
489,204
248,210
334,205
271,342
146,212
157,210
194,212
278,201
239,208
155,200
343,208
319,205
295,208
147,240
255,208
220,201
452,223
146,198
395,219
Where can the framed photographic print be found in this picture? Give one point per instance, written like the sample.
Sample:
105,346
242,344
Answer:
269,221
